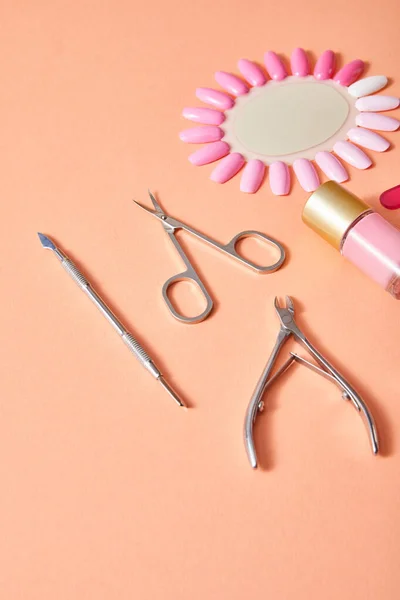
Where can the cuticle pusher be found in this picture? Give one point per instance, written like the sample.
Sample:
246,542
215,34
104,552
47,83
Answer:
127,337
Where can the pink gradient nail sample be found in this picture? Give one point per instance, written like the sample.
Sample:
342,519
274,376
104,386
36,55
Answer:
252,176
299,63
352,155
200,135
207,116
306,174
350,72
215,98
376,121
251,72
373,245
274,66
232,84
368,139
325,65
331,166
279,178
227,168
209,153
390,199
377,103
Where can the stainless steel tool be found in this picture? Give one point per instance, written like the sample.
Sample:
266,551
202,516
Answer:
289,328
127,337
171,226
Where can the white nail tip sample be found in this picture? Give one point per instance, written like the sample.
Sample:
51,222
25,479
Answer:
377,103
377,121
368,85
368,139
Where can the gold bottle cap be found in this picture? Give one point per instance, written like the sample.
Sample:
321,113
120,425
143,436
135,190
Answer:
331,210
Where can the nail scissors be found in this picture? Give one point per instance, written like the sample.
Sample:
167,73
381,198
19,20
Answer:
288,327
171,226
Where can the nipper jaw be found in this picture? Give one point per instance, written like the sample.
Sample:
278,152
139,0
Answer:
289,327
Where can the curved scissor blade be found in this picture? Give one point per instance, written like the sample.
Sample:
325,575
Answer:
149,210
155,203
159,214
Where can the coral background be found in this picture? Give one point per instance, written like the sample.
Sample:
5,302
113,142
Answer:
107,489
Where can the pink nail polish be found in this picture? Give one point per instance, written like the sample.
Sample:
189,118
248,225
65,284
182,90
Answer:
209,153
252,177
368,139
376,103
227,168
207,116
279,178
331,166
215,98
306,174
361,235
375,121
251,72
232,84
352,155
200,135
350,72
299,63
274,66
325,65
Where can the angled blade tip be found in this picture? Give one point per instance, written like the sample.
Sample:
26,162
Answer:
46,241
289,304
155,203
151,195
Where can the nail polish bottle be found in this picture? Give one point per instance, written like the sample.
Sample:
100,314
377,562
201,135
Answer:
361,235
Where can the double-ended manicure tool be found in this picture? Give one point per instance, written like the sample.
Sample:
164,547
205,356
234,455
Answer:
127,337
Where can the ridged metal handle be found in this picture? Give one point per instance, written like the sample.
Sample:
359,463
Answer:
140,354
74,272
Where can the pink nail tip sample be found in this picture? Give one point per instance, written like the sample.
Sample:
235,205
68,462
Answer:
227,168
200,135
325,65
232,84
368,139
299,63
252,176
372,120
279,178
350,72
251,72
209,153
207,116
391,198
331,166
215,98
306,174
377,103
352,155
274,66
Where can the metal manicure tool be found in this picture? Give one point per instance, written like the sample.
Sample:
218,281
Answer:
171,226
127,337
256,405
